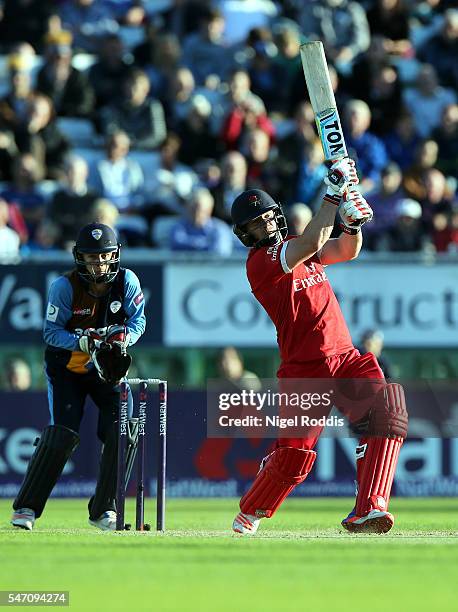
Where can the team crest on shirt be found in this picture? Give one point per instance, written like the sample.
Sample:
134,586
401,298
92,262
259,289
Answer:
115,306
97,234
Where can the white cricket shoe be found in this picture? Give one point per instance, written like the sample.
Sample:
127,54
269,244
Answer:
106,522
24,518
245,524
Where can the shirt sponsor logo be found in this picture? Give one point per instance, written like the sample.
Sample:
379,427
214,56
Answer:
81,312
272,251
305,283
115,306
52,312
139,298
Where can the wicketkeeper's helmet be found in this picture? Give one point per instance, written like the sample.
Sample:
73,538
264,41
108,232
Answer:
97,238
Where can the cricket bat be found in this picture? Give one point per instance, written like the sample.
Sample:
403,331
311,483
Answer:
323,101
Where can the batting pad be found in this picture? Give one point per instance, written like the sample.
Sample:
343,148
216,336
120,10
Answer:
285,468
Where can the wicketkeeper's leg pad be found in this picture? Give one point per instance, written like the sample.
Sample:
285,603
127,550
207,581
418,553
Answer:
52,452
283,470
377,453
104,497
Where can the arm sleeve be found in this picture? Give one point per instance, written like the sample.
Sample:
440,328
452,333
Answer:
58,313
134,306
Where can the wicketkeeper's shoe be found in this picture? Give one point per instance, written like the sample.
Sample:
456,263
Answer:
106,522
24,518
375,521
245,524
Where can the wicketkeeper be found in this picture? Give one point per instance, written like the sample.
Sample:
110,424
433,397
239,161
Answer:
94,313
287,277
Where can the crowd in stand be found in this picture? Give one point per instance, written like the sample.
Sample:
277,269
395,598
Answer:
152,115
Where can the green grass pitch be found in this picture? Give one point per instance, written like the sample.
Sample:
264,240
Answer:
300,559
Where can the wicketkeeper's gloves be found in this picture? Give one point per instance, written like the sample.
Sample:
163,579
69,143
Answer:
112,362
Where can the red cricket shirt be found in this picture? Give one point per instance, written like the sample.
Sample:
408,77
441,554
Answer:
300,303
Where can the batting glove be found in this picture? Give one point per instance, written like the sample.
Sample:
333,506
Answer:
340,179
354,212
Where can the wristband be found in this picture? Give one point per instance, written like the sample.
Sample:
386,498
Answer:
332,197
350,230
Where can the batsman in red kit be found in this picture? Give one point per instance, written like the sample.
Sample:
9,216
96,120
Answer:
287,276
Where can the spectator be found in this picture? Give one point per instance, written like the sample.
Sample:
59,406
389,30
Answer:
142,118
232,371
13,106
341,25
308,182
291,149
390,19
384,98
104,212
68,88
197,141
167,56
46,238
198,230
144,52
287,63
23,191
427,100
364,147
39,135
446,136
9,239
204,51
237,96
116,177
169,183
18,375
265,76
89,21
71,205
357,83
403,140
407,234
445,232
414,177
109,71
383,203
262,171
250,114
372,342
180,94
441,50
437,199
231,184
299,216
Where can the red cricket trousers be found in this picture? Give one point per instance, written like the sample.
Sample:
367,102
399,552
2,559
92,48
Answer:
350,365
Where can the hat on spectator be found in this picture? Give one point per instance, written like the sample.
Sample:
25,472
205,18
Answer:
18,62
408,208
60,41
